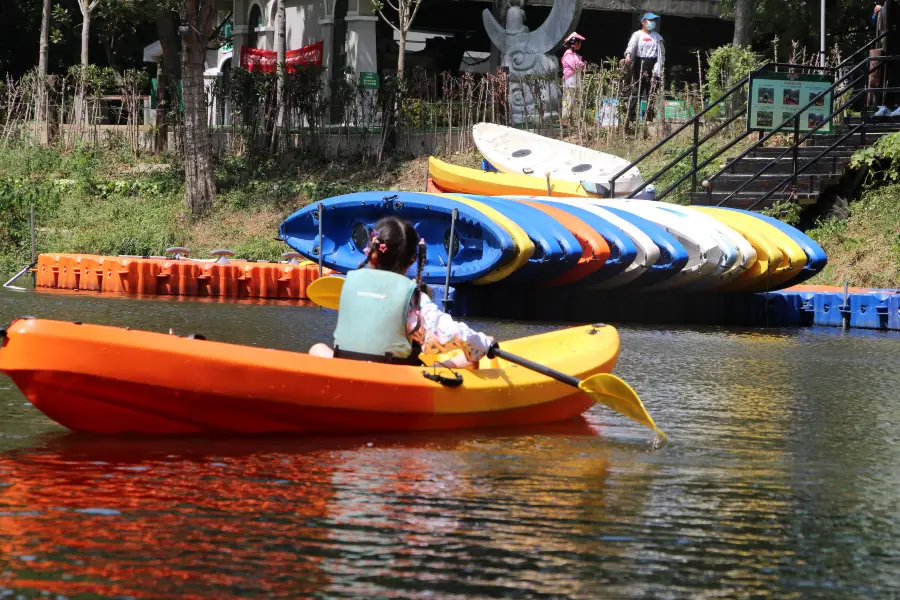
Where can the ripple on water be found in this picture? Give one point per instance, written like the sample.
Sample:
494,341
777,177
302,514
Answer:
779,479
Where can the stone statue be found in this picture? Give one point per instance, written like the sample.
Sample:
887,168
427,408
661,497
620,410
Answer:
525,53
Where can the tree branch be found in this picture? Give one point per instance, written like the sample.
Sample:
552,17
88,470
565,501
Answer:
391,4
418,3
386,20
218,29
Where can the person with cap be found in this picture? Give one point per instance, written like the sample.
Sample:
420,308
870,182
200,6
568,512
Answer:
646,56
572,66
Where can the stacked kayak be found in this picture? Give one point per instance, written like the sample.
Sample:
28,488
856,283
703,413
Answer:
535,240
109,380
518,152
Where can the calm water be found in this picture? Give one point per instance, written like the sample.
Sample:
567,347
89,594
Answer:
781,478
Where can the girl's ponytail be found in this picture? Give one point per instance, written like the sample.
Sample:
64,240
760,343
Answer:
421,252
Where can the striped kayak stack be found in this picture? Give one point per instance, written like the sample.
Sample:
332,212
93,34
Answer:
539,241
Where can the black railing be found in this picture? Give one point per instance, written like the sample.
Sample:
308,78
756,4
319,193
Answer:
697,142
798,140
693,122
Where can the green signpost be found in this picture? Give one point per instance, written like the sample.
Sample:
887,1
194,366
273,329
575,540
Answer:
775,97
369,81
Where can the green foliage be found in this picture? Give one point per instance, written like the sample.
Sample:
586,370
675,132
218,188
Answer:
19,195
787,212
865,248
882,158
727,66
59,23
260,248
97,81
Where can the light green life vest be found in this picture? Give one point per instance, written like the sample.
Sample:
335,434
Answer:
373,313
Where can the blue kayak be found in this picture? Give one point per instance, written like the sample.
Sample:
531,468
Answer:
622,250
556,250
673,256
816,259
481,245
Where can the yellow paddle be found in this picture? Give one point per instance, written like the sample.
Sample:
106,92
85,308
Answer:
326,291
604,388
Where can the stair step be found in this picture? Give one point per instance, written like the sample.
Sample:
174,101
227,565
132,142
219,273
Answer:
882,122
827,165
806,151
854,140
764,183
745,201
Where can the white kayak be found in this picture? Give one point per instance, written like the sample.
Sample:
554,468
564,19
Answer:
738,254
516,152
704,254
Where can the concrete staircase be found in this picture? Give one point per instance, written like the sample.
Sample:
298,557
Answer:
824,173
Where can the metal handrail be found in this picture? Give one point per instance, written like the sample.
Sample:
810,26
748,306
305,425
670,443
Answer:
805,166
795,119
774,65
834,145
863,48
695,122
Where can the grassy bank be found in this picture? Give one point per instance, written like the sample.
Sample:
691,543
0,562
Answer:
105,202
864,249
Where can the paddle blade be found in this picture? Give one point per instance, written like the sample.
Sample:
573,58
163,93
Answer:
326,291
609,390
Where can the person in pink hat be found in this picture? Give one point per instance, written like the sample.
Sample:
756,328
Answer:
572,66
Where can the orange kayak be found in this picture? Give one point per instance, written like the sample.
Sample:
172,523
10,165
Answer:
99,379
594,249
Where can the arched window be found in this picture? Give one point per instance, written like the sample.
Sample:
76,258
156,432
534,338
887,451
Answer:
253,22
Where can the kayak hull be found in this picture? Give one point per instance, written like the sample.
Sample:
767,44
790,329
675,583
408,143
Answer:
108,380
110,407
517,152
482,246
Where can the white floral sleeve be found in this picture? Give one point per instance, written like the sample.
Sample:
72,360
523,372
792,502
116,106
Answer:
439,333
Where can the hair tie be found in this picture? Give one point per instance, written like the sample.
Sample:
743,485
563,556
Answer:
382,248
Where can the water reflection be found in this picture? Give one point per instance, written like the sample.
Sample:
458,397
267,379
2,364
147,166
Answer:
278,516
781,479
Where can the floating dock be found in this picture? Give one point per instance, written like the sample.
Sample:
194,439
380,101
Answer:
801,305
178,275
225,277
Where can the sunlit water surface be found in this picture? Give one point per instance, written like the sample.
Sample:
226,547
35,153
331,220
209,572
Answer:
781,478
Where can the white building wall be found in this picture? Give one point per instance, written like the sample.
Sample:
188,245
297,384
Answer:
303,26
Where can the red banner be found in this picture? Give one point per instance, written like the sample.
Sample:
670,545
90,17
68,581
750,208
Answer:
254,59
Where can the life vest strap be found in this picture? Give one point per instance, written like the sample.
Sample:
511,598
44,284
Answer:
387,358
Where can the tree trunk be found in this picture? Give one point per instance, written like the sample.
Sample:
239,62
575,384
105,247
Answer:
85,36
281,69
743,22
200,184
41,109
81,109
162,129
170,42
168,76
401,54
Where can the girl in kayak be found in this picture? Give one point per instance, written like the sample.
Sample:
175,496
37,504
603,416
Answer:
385,317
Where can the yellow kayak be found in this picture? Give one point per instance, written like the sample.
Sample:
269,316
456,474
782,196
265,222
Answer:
523,242
453,178
778,258
100,379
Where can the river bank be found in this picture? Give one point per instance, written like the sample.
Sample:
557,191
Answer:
104,201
